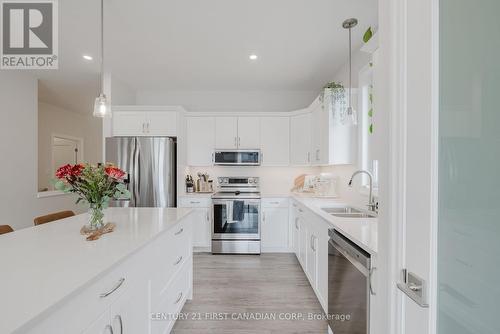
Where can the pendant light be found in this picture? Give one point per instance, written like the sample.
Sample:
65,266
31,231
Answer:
352,117
102,107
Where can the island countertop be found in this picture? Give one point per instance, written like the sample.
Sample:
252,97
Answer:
44,265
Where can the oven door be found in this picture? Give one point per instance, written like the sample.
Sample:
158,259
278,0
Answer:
236,219
237,158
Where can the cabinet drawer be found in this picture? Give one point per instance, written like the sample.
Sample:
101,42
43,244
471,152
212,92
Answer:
164,312
195,202
274,202
170,253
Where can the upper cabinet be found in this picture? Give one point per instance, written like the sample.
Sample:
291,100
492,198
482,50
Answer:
144,121
332,143
200,140
237,133
300,139
275,141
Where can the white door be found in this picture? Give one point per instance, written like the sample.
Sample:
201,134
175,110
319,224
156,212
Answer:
249,133
200,140
129,123
300,140
201,227
275,141
162,123
226,133
274,229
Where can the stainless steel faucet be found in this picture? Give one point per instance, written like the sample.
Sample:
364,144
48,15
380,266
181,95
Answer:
372,205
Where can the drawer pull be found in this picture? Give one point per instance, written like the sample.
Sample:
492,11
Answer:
108,329
194,202
297,223
208,217
179,259
274,203
180,231
119,284
294,205
120,321
300,210
179,298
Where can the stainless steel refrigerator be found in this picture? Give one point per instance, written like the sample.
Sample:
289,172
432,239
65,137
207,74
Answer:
150,164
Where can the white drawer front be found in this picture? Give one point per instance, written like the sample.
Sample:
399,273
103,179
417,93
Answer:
274,202
195,202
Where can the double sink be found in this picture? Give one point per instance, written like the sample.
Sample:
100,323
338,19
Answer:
348,212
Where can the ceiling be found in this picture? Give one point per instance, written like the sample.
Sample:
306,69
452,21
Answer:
198,45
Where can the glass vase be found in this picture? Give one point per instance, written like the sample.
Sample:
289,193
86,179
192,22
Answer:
96,217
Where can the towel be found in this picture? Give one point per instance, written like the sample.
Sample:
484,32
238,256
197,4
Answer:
238,211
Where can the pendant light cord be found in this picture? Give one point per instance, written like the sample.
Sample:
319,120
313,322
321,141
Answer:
101,76
350,69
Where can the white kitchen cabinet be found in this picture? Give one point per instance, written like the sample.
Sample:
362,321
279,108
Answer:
202,220
226,133
312,255
274,233
248,133
300,139
275,141
162,123
137,121
200,140
332,143
129,313
100,326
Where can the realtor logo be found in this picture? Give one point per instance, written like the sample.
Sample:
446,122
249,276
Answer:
28,34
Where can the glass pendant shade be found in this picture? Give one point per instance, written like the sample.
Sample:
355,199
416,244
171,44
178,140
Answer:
102,107
352,116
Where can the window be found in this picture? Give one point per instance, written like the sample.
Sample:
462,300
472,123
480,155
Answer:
366,126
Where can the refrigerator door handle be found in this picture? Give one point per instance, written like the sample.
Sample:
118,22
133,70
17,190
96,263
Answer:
136,173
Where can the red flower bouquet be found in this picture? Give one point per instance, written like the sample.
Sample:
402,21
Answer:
95,185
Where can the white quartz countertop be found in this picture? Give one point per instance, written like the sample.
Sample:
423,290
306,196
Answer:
361,231
42,266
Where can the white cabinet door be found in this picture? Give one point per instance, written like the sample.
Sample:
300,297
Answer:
322,261
226,133
275,141
162,123
129,123
274,229
316,130
200,140
303,243
129,313
248,133
100,326
201,227
300,140
312,254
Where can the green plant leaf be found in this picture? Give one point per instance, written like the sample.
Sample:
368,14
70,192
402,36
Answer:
368,35
370,129
370,113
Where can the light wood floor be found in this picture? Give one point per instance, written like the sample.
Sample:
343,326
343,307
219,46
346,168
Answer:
265,285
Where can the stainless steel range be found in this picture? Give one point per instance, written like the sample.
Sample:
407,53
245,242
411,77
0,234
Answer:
236,213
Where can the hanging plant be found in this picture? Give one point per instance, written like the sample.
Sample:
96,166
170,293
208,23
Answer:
370,110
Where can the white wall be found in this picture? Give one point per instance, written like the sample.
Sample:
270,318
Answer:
230,101
18,148
54,120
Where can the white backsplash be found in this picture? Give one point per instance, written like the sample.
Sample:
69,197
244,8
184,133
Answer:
273,180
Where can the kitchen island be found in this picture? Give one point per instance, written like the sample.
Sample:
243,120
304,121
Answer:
54,281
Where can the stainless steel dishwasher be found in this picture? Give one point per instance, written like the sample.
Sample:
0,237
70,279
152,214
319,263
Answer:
349,288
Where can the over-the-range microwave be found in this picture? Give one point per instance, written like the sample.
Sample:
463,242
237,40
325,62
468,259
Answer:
237,157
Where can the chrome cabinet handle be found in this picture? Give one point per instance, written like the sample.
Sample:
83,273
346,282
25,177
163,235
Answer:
263,216
143,127
297,223
208,217
300,210
294,205
179,298
147,127
179,259
235,142
118,285
120,321
239,141
314,243
308,157
274,203
180,231
109,329
194,202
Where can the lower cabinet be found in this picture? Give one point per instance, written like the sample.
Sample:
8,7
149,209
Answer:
202,220
139,295
310,245
274,225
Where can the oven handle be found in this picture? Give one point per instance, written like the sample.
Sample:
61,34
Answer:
351,259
